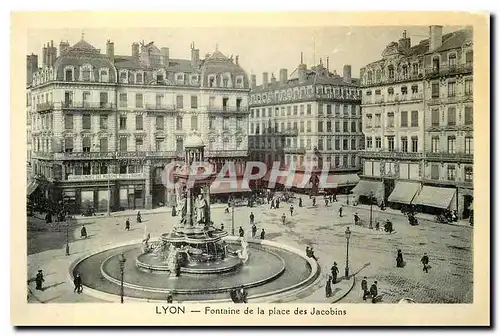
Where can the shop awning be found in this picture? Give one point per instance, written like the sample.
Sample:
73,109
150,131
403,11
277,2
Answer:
226,187
340,180
365,187
404,192
435,197
31,187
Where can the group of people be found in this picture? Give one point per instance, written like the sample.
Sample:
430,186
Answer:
372,292
332,279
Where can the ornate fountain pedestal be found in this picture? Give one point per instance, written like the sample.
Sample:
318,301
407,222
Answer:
194,245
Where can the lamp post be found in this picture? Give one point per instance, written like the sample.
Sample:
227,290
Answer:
232,218
347,237
371,209
122,261
67,238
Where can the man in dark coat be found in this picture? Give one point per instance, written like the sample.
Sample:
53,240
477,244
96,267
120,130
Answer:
356,219
374,291
291,209
277,203
399,259
252,218
77,281
314,201
262,234
425,263
222,227
272,204
283,219
340,211
335,272
300,202
127,225
241,231
39,280
364,288
254,230
83,232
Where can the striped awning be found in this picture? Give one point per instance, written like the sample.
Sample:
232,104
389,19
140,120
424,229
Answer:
435,197
365,187
404,192
31,187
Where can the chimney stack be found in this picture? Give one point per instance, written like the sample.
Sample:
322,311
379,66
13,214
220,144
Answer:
328,63
265,77
347,73
404,43
435,37
110,50
195,56
51,53
302,69
135,50
166,56
283,76
31,67
237,60
273,79
253,81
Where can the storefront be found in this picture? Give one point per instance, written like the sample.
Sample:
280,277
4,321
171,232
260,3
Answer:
404,192
436,199
369,188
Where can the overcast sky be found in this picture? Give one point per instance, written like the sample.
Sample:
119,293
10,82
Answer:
260,49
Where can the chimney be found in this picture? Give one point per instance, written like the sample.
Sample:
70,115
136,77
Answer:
110,50
195,56
253,81
166,56
265,77
63,46
302,69
135,50
31,67
328,63
347,73
237,60
405,42
273,79
44,56
283,76
435,37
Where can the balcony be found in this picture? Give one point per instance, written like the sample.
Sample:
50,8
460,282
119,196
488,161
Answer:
112,155
44,107
450,157
397,155
42,155
161,108
286,132
291,150
106,177
446,70
162,154
226,153
394,80
102,106
326,97
227,109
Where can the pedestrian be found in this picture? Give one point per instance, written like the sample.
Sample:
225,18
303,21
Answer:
374,291
127,225
243,295
254,230
139,218
83,232
330,198
262,234
326,201
277,203
364,288
272,204
308,251
283,218
39,280
340,211
425,263
252,218
291,210
399,259
356,219
170,298
328,286
300,202
377,225
335,272
222,226
311,251
241,231
77,281
314,201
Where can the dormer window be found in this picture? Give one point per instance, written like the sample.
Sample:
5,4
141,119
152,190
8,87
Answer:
123,76
68,74
179,78
104,76
239,81
86,74
194,79
390,91
405,71
390,69
138,78
159,79
211,81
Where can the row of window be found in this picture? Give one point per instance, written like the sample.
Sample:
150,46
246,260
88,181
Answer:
391,144
336,161
306,127
296,110
390,90
301,93
452,88
451,172
451,116
328,143
390,119
451,143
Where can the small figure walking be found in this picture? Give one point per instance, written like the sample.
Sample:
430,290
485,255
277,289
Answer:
254,230
425,262
335,272
127,225
399,259
170,298
262,234
83,232
291,210
340,211
139,217
77,281
241,231
252,218
328,286
283,219
326,201
222,226
300,202
272,204
277,203
314,201
377,226
39,280
374,292
227,210
364,288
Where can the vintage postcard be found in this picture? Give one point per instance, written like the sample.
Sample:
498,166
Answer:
314,169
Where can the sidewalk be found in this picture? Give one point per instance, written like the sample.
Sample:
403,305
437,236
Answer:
343,200
339,291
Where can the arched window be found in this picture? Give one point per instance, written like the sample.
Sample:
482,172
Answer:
452,61
104,75
390,70
405,71
226,143
378,75
370,76
138,78
86,73
435,63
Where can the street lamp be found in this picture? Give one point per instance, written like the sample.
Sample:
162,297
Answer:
232,217
371,209
122,261
347,237
67,237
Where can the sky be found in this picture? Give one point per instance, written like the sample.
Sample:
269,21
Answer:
260,49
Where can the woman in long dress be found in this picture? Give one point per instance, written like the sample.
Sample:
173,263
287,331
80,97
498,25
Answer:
328,286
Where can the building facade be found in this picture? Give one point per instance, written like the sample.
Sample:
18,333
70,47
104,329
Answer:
106,124
406,96
310,120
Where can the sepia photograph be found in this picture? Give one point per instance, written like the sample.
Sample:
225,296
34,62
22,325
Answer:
321,165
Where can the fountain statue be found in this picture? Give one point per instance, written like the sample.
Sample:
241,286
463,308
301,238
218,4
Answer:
194,245
243,254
